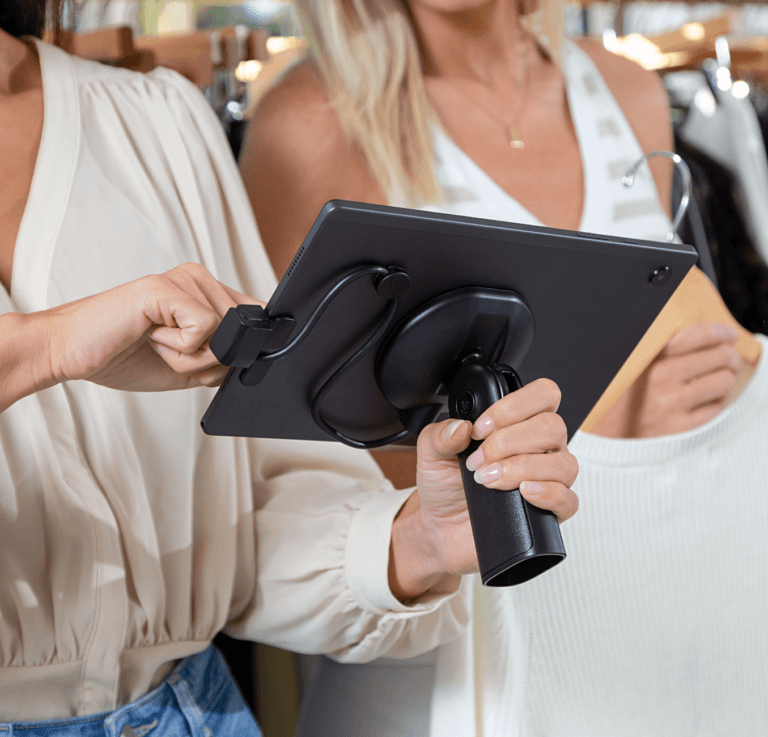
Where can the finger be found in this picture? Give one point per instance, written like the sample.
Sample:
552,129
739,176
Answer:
698,336
511,472
184,363
188,339
702,415
692,365
540,434
219,296
710,388
542,395
552,496
186,321
443,440
211,377
240,298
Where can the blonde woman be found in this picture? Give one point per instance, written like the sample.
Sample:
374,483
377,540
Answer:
653,626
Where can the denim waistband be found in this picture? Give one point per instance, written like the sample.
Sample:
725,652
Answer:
198,699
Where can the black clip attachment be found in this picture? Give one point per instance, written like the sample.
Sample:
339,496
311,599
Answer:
241,336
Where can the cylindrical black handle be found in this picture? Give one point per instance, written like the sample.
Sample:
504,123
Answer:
515,541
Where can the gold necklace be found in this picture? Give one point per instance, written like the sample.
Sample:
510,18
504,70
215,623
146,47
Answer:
511,130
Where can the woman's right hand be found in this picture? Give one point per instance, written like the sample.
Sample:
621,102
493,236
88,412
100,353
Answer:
148,335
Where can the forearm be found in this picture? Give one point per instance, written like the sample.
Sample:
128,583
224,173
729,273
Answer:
415,565
24,364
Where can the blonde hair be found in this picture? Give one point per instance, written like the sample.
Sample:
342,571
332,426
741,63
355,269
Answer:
369,59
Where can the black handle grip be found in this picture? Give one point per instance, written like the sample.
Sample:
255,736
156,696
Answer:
515,541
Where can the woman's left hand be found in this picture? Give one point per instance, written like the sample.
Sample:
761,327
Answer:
524,447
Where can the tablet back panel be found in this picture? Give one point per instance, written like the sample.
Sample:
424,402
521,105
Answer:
590,296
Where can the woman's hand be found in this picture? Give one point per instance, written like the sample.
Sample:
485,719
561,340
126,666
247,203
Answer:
148,335
524,446
686,385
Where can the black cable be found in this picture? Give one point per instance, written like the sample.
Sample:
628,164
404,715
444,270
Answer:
315,316
346,366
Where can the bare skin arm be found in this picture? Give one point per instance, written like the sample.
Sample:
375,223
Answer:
296,157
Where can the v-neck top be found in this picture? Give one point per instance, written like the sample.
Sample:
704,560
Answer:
129,538
608,148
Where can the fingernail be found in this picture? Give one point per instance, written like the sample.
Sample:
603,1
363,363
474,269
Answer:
475,460
735,359
726,332
450,431
531,487
483,428
488,474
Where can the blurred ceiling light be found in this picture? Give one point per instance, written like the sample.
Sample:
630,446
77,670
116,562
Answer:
723,78
705,101
609,39
693,31
643,51
740,89
278,44
247,71
723,51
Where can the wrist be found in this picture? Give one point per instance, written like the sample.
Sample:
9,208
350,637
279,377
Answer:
25,364
415,562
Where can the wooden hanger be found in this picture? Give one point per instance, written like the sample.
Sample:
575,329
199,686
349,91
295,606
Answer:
695,300
189,54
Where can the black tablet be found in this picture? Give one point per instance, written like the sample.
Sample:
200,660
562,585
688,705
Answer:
590,298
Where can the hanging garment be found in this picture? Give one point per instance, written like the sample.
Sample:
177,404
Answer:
719,137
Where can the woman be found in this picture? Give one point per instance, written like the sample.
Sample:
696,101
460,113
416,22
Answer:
653,625
128,538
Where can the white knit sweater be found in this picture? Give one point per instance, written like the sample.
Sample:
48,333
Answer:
655,625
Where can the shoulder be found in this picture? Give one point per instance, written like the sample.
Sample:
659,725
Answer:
122,87
296,157
639,92
296,126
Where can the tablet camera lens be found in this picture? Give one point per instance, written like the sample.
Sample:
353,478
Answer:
660,276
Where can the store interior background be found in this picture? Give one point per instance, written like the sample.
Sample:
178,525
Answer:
235,50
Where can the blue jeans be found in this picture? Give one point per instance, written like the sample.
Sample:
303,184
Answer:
198,699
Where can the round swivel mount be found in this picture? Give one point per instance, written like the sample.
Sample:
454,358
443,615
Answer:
416,363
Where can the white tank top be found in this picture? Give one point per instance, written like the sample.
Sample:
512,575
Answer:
608,149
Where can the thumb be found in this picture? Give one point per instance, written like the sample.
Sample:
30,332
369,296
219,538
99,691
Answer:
444,440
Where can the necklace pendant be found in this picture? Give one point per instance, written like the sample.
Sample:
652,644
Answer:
514,139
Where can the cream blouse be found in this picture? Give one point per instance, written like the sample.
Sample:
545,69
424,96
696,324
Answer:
128,538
